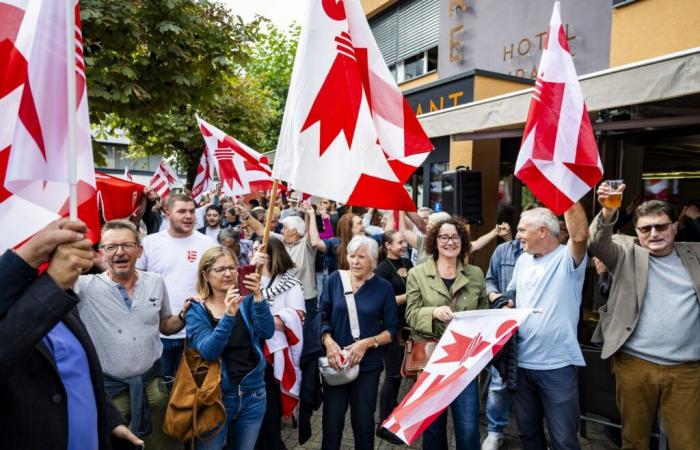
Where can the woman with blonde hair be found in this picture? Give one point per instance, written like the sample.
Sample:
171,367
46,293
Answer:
229,327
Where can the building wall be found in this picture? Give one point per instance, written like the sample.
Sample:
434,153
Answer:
419,81
485,87
648,28
373,7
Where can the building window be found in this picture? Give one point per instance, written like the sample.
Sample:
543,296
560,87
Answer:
416,65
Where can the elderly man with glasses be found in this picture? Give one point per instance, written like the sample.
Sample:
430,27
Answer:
124,310
651,323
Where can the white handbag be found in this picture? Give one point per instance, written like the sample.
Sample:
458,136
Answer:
346,374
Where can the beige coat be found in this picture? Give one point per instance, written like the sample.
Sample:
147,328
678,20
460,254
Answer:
629,264
425,291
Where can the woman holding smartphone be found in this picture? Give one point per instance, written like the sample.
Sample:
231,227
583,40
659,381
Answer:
229,327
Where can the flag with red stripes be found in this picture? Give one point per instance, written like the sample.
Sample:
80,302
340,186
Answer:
283,351
204,179
470,341
241,169
34,185
347,133
558,157
164,179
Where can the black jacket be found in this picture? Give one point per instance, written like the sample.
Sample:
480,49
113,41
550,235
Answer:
33,410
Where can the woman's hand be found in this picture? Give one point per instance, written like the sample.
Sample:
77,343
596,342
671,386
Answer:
232,301
333,353
252,283
443,313
122,432
355,352
260,259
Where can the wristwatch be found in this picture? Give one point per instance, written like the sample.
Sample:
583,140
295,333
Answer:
376,342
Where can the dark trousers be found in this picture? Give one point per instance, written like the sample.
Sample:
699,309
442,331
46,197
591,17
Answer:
465,415
389,392
311,306
270,436
361,395
170,359
551,395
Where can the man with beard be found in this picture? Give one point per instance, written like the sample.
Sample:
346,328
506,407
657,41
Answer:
212,217
174,253
124,309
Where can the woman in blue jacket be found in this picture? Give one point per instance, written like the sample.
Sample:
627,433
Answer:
229,327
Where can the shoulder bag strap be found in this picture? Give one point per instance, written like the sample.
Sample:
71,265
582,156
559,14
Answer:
350,300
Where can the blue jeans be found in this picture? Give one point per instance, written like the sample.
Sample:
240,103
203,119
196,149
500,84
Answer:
465,413
244,415
170,358
551,395
497,403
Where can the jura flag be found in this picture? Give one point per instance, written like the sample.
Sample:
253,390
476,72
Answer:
558,157
347,132
204,180
241,169
164,179
470,341
34,185
118,198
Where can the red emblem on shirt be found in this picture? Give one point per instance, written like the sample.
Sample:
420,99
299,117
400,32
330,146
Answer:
191,255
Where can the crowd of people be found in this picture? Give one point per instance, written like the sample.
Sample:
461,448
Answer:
94,335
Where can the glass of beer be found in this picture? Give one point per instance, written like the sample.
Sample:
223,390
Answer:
614,199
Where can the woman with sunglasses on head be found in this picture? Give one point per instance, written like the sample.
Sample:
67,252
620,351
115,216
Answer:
436,289
229,327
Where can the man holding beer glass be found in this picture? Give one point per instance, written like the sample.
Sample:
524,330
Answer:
651,320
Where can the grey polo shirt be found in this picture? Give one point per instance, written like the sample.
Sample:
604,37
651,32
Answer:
127,340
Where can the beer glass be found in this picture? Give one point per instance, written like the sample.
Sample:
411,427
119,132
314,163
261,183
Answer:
614,199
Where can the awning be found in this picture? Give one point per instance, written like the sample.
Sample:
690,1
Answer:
651,80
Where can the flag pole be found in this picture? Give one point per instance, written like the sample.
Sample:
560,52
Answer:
268,220
71,103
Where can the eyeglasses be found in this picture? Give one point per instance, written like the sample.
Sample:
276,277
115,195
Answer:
126,246
221,270
444,238
660,227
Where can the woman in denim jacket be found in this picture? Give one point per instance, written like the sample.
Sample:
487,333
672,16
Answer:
228,326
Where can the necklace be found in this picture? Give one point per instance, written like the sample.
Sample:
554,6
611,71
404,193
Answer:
396,270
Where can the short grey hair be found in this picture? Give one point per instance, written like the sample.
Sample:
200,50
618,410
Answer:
542,217
295,223
424,210
437,217
369,244
229,232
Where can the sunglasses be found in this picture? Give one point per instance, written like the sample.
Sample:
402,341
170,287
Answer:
660,227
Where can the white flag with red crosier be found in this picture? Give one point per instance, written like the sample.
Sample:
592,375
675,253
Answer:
347,132
470,341
34,161
241,169
204,180
164,179
558,157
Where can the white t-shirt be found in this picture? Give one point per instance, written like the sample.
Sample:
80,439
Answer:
303,255
548,340
213,232
176,260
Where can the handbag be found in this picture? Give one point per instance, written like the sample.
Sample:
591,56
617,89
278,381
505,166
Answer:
195,408
416,354
346,374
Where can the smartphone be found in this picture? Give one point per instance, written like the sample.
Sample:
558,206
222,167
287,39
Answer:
242,272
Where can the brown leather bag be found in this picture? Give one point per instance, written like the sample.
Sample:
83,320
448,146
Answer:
195,408
415,356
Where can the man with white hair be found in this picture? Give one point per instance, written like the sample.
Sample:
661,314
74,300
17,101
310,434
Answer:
549,276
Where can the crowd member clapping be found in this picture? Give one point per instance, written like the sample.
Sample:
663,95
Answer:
229,326
393,268
436,289
376,311
51,384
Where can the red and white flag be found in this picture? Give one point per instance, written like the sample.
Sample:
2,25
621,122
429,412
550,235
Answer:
127,174
118,198
283,352
164,179
241,169
470,341
558,157
34,185
347,133
204,180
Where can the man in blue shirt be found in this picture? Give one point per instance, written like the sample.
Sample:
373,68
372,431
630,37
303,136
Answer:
51,385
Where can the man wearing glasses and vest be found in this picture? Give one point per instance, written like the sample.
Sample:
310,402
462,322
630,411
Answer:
651,323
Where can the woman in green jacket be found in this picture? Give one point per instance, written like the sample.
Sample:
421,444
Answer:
436,289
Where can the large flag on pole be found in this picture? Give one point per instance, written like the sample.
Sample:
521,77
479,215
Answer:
164,179
204,179
241,169
558,157
34,163
118,198
470,341
347,133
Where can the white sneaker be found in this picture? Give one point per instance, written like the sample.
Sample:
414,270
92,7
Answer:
493,441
